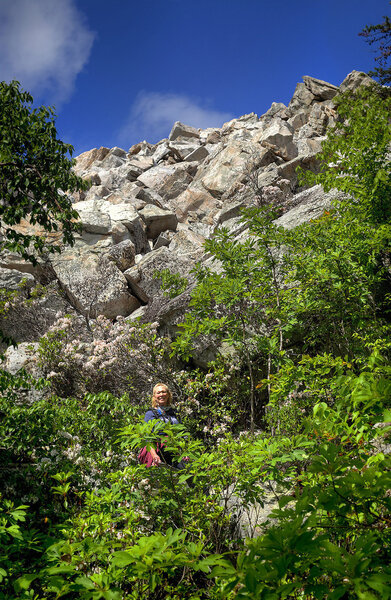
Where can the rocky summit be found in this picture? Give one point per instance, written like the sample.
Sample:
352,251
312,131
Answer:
152,207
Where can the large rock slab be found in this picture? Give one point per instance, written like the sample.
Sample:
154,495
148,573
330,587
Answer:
28,316
301,99
122,255
152,264
11,279
195,203
138,165
187,243
168,181
198,154
94,285
223,170
354,80
126,215
279,136
21,357
92,219
86,159
185,147
157,220
320,89
310,204
180,131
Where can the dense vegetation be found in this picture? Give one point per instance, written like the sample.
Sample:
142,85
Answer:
294,417
35,169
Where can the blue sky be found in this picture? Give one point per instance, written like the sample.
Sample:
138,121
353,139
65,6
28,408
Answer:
124,71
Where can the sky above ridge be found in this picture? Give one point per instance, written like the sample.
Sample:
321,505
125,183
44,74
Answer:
124,71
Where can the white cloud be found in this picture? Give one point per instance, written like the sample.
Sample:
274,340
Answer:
153,114
44,44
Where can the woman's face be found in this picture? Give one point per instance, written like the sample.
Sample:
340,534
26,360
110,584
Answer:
161,395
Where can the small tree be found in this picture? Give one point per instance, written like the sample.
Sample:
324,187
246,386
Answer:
36,175
380,34
238,299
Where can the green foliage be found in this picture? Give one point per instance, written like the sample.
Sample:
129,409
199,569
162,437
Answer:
211,403
36,175
237,301
173,284
331,538
306,315
355,155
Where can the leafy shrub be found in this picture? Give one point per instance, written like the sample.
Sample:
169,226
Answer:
129,357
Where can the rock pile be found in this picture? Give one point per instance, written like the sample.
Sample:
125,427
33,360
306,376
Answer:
152,207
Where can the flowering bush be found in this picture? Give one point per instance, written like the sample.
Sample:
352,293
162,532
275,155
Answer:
210,403
121,357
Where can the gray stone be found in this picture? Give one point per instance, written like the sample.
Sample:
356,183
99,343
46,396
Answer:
320,89
133,277
100,191
162,240
137,314
113,161
279,135
354,80
229,211
138,165
94,286
309,146
187,243
198,154
29,316
180,130
122,255
310,204
91,217
93,179
301,98
273,111
119,232
128,216
194,200
168,181
155,262
86,159
12,260
298,120
250,517
221,171
268,176
142,149
112,178
15,280
161,151
118,152
150,197
158,220
21,357
92,242
185,147
213,137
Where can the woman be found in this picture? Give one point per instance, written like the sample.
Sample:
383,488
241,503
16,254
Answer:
162,410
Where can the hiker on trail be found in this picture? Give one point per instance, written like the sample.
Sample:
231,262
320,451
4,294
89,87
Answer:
163,411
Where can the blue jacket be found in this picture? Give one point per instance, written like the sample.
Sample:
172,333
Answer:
168,415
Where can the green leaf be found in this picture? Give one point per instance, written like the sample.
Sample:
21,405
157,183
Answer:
122,559
24,582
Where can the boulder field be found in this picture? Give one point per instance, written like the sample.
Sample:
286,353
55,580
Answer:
152,207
